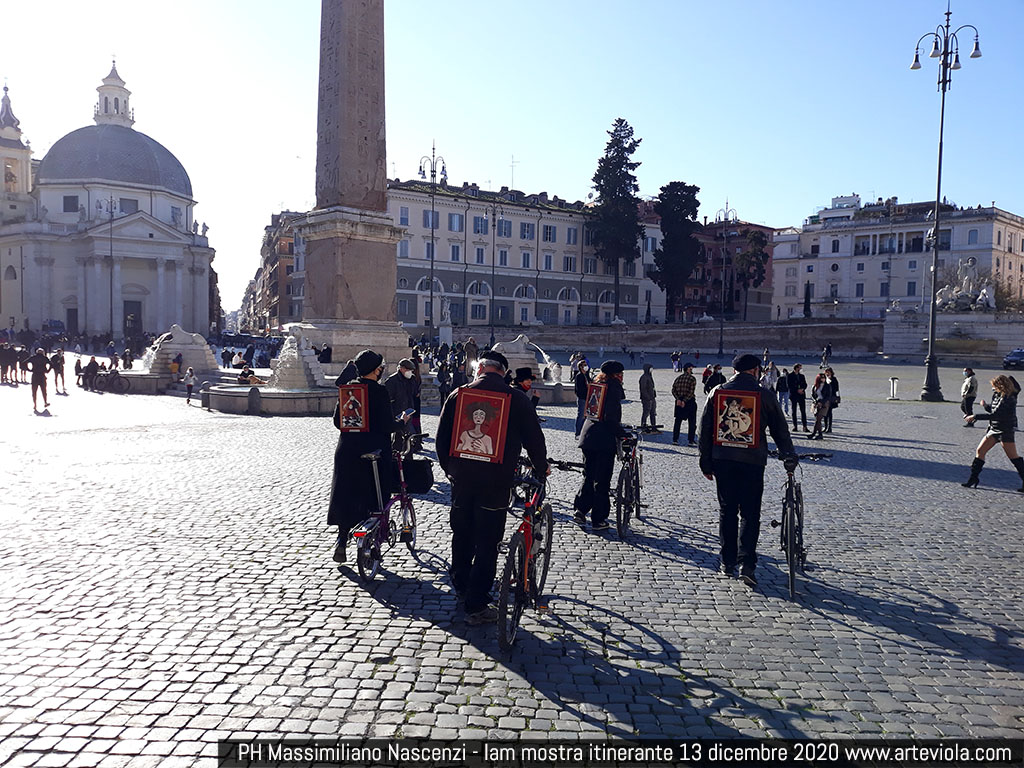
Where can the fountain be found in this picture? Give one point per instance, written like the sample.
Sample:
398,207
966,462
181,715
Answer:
152,372
522,353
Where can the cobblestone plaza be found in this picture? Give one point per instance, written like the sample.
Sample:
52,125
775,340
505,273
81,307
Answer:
167,582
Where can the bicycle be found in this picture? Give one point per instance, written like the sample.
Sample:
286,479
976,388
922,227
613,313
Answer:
379,531
791,537
627,492
529,554
111,381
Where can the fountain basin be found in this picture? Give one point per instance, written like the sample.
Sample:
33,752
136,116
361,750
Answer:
273,401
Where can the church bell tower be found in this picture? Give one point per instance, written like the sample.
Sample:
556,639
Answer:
112,107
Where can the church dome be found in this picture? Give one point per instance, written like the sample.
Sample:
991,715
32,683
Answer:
113,153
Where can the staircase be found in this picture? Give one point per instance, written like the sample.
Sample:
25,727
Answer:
220,376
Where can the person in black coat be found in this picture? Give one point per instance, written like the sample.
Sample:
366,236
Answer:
798,394
579,385
598,439
482,491
1001,416
39,364
716,378
830,376
353,490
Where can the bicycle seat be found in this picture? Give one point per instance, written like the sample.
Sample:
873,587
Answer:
372,455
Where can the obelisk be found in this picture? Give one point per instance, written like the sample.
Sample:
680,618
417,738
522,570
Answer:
350,239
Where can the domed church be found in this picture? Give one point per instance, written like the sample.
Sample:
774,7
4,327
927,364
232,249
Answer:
99,235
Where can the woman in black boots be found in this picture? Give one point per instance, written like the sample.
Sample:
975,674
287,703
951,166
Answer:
1001,416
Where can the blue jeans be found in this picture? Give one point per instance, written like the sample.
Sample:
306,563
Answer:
784,401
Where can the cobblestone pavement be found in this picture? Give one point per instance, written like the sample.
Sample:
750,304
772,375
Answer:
167,581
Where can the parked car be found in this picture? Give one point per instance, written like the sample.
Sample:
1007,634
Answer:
1014,360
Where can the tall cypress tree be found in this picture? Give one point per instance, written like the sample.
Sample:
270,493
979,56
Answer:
675,260
616,228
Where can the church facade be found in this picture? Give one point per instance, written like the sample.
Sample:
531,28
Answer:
99,236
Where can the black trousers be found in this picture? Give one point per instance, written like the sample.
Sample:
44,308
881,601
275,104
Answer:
801,401
477,519
740,487
967,406
688,412
593,497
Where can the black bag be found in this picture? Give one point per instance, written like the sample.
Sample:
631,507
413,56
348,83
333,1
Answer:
419,475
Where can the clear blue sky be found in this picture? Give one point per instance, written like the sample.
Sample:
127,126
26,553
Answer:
777,105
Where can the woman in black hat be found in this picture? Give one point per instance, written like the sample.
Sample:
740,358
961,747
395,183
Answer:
523,381
598,441
353,490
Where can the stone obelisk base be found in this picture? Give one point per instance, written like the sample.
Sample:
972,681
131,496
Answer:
349,337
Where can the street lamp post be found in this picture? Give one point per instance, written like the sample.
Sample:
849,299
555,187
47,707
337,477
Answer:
110,206
432,162
945,48
725,217
496,211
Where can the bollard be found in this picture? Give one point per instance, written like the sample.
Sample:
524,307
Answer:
894,383
255,402
204,395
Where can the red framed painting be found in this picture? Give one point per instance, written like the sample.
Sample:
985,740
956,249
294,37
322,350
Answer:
353,408
593,406
481,421
737,418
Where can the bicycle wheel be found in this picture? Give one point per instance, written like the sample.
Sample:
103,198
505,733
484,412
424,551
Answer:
801,551
623,501
99,383
543,538
122,385
409,520
791,546
636,488
512,592
367,557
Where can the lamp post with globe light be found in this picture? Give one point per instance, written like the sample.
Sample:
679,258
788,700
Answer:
945,48
725,217
432,163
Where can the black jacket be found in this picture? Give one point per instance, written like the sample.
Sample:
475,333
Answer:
523,432
600,436
1001,414
353,492
713,381
796,381
824,392
772,418
402,392
579,385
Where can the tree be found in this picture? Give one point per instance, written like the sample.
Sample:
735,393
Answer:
679,253
750,264
615,226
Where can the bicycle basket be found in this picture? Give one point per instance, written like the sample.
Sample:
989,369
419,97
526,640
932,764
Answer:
419,475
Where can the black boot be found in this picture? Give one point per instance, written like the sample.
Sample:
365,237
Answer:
1018,464
972,481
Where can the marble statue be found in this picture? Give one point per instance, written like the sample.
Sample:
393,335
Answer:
967,274
446,311
205,229
986,298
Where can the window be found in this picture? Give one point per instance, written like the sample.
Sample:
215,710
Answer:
548,258
288,270
911,288
912,264
429,251
479,255
568,263
790,271
478,311
590,266
128,205
70,203
403,307
502,258
431,219
504,228
629,268
858,290
650,244
403,249
972,237
999,233
455,222
588,236
403,215
833,291
814,249
883,289
571,235
810,267
885,266
526,259
944,238
835,246
550,233
860,266
479,225
456,252
791,290
567,317
524,314
527,231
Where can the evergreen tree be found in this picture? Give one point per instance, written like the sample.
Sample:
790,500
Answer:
679,253
615,226
750,264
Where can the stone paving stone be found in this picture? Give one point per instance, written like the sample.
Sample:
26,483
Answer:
171,610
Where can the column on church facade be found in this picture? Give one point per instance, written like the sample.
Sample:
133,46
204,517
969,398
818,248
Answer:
117,313
96,302
161,300
200,301
44,267
83,319
176,315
